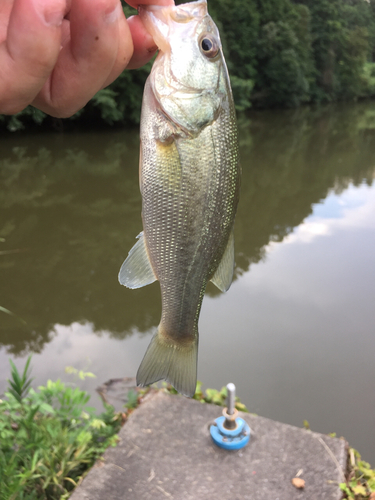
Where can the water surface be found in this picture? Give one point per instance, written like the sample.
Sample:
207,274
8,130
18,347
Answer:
295,333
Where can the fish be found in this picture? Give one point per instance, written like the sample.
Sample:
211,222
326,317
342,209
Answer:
189,181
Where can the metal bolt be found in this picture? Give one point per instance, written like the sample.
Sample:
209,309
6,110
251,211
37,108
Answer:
230,413
231,390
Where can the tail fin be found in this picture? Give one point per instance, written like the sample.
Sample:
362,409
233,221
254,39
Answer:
170,362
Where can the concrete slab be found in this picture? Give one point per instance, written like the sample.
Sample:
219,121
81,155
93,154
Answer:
166,452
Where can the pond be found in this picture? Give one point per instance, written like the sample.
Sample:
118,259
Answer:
296,331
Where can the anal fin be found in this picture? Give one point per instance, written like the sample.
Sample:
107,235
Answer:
224,273
136,271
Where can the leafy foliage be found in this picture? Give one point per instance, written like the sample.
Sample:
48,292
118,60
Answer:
19,385
341,45
360,483
282,73
79,373
49,438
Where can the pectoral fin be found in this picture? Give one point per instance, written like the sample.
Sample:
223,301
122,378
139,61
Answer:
224,273
136,271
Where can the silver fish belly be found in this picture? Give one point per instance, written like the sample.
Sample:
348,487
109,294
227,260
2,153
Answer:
189,178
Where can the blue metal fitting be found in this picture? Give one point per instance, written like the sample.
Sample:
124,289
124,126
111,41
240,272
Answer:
230,439
230,431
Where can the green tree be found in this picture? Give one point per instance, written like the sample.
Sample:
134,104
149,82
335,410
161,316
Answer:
351,57
284,54
281,76
239,34
341,45
238,22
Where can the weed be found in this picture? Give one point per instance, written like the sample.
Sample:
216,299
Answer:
6,311
360,483
49,438
210,396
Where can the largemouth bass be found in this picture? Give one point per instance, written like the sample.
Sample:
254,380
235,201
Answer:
189,181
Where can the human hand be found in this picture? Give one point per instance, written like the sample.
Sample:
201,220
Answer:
56,54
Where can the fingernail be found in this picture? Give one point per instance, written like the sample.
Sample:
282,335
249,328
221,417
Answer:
51,11
112,16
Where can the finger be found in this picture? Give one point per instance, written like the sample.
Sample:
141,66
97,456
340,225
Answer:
135,4
89,57
29,52
5,11
144,45
123,52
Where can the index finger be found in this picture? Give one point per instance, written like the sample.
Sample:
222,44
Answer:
29,52
135,4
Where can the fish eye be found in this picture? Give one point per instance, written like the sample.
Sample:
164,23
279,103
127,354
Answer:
209,46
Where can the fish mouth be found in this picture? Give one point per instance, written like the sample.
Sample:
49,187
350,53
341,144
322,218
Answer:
158,20
182,12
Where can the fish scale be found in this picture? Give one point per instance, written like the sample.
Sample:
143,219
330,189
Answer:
189,179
